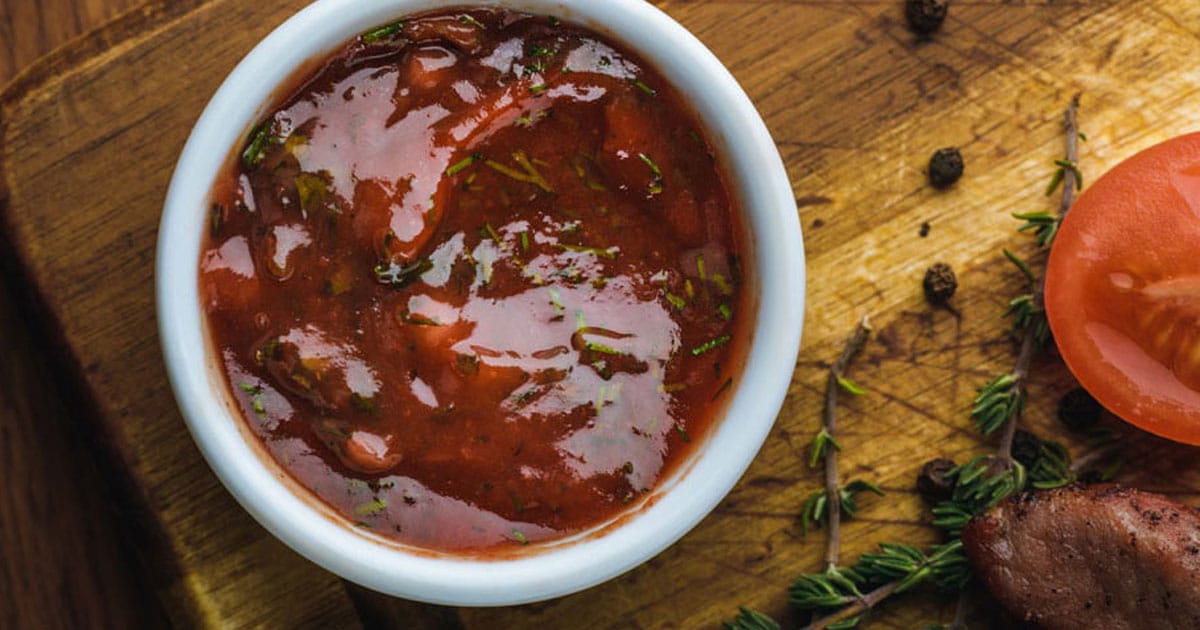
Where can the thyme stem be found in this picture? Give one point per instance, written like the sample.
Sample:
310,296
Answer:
1071,124
829,421
1029,345
864,603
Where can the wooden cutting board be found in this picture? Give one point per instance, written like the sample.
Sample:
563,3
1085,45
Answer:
89,136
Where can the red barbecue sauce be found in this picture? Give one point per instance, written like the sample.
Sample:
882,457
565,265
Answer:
475,282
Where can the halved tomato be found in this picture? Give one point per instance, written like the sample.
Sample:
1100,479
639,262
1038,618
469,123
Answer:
1123,290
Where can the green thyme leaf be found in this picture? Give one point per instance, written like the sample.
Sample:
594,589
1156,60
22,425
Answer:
821,444
850,386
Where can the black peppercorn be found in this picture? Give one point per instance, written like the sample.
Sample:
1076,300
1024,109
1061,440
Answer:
940,284
945,167
926,16
1078,410
933,482
1026,448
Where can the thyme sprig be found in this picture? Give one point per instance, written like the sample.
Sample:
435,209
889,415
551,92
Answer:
892,570
842,596
1000,403
833,493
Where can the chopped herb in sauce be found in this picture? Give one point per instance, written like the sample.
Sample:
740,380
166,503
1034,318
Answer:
257,149
710,345
609,253
470,19
382,33
463,165
410,338
256,397
370,508
645,88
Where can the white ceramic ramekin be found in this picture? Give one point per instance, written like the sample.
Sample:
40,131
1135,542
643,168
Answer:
775,270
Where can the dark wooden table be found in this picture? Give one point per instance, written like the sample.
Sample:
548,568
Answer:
65,559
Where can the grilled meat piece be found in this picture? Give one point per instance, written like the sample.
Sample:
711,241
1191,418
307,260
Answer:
1091,557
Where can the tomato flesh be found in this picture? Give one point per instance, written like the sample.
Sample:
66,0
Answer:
1123,290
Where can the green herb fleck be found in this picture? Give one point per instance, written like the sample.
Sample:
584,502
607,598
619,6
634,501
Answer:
645,88
539,88
722,284
525,241
492,233
530,176
519,537
556,302
683,434
710,345
463,165
256,398
725,311
470,19
655,186
603,349
609,253
676,301
382,33
370,508
650,163
257,149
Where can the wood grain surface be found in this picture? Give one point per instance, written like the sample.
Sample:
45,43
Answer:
856,104
63,560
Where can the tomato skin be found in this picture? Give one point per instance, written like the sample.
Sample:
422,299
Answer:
1123,290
